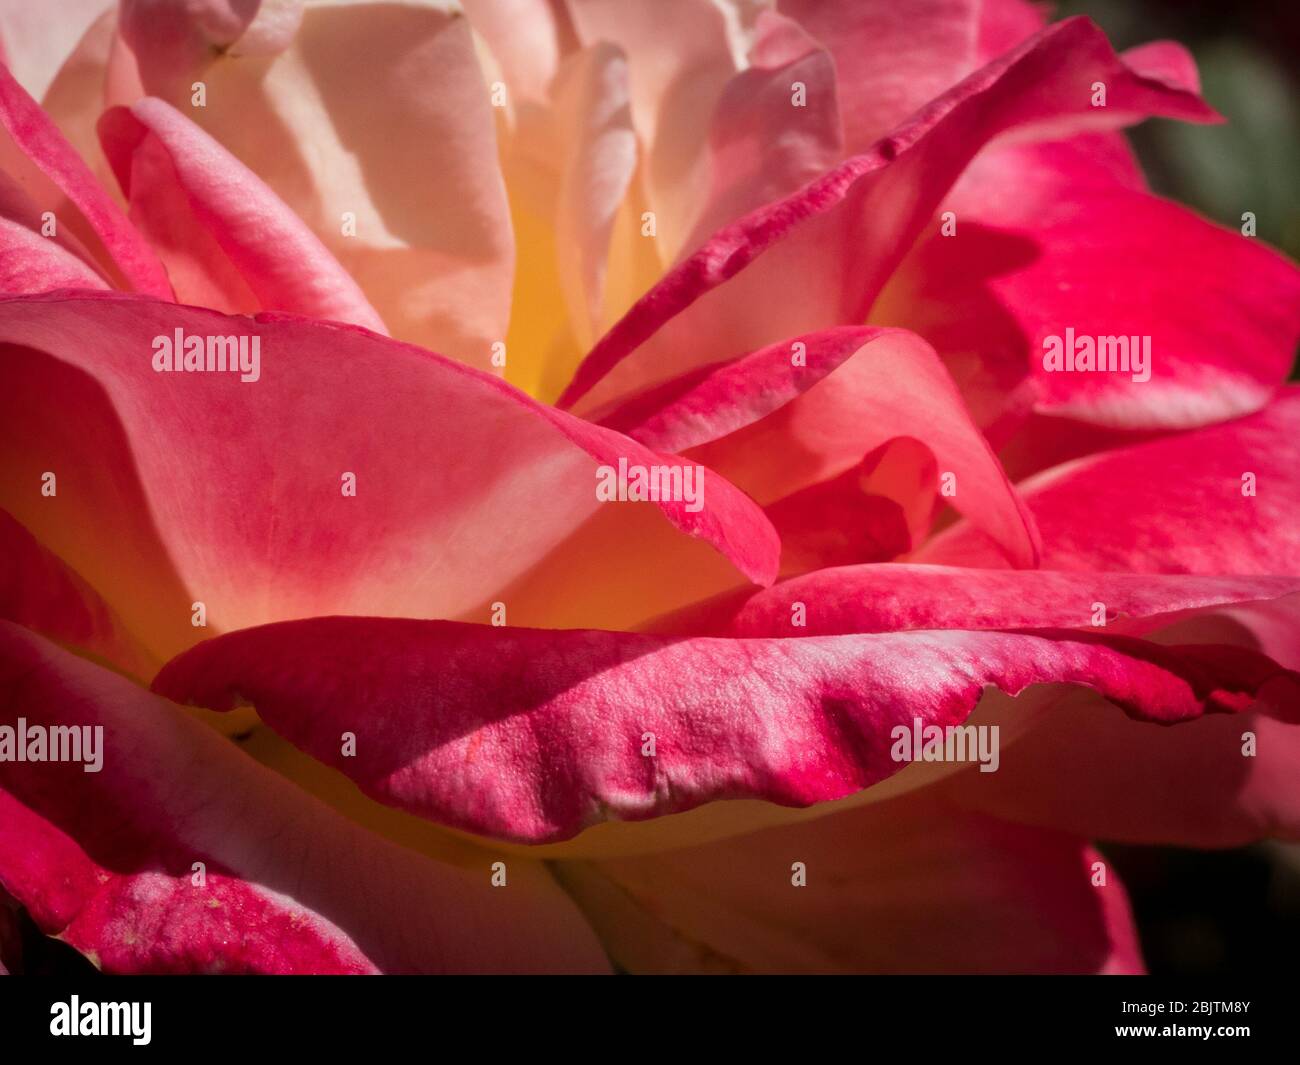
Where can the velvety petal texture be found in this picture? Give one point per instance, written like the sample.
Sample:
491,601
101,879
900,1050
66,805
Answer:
533,735
340,341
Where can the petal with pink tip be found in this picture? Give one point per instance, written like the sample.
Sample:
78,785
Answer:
1058,241
238,493
898,597
48,167
223,234
392,163
804,411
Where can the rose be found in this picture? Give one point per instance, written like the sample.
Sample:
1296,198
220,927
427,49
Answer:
402,563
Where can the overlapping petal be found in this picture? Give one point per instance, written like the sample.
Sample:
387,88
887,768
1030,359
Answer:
228,241
684,53
56,179
890,59
373,123
829,248
177,488
106,859
1056,236
1217,500
904,597
38,590
802,412
1216,782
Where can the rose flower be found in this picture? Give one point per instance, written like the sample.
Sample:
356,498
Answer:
647,485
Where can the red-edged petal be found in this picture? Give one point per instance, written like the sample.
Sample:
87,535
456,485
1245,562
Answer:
903,887
184,487
804,411
1057,236
223,234
41,159
152,921
834,243
898,597
1217,500
105,859
535,735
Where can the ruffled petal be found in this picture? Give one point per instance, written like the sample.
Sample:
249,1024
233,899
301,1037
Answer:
899,597
681,55
1052,241
534,735
804,411
600,161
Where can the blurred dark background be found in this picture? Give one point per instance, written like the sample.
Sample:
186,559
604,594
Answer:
1224,912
